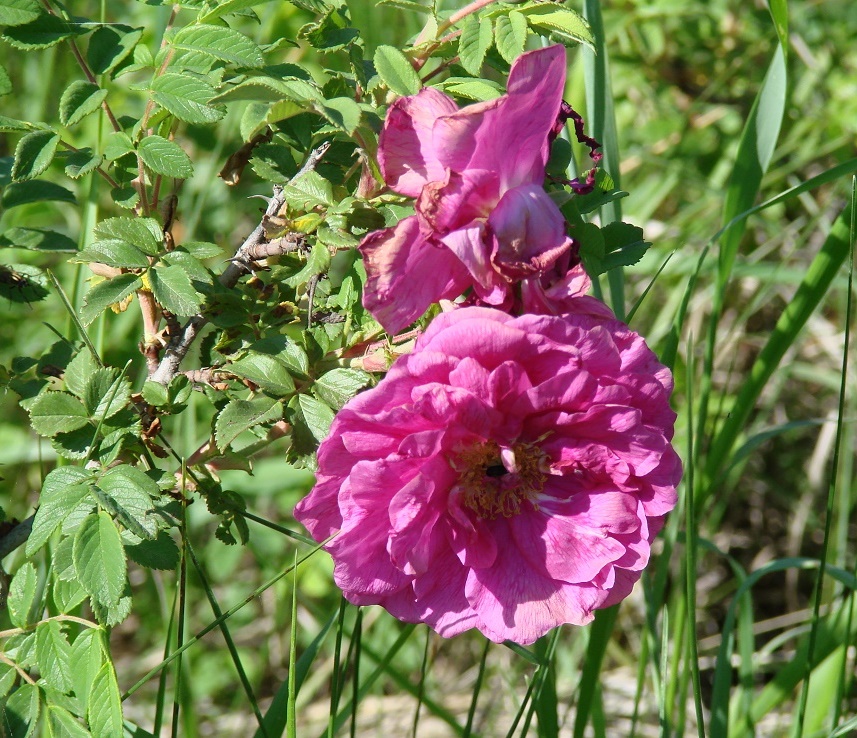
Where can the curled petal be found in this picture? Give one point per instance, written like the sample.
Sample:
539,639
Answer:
405,274
406,152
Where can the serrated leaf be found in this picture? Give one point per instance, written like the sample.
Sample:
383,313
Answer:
474,42
144,233
241,415
342,112
18,12
63,490
63,724
155,393
37,239
624,245
566,24
133,492
8,677
396,71
33,154
79,163
287,351
174,291
78,370
317,414
106,293
8,125
53,655
186,98
41,33
67,595
202,249
338,386
221,43
160,553
78,100
5,82
22,595
23,193
472,89
114,253
165,157
110,45
99,559
104,710
116,145
510,35
87,656
111,615
309,191
274,163
264,371
57,412
63,561
336,238
105,394
230,6
21,711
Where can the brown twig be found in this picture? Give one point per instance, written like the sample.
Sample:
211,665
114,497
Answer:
239,265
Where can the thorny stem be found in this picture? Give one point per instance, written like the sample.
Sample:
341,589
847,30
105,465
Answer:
238,266
151,330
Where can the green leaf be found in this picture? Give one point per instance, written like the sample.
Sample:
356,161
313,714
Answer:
110,45
104,711
116,145
274,163
8,677
53,655
338,386
342,112
8,125
155,393
132,492
309,191
63,491
241,415
221,43
396,71
99,559
114,253
165,157
33,154
22,595
77,372
174,291
111,615
624,245
160,553
84,161
144,233
41,33
105,393
63,724
21,711
37,239
317,414
565,24
474,42
230,6
287,351
5,83
265,371
106,293
510,35
202,249
57,412
471,89
186,98
87,656
23,193
79,100
19,12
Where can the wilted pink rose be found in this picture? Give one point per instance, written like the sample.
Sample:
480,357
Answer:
508,475
482,218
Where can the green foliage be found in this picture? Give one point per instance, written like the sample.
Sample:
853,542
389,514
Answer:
194,377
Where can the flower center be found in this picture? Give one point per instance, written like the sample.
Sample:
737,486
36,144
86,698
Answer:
495,481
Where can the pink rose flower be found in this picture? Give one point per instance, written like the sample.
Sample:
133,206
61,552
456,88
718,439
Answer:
508,475
483,220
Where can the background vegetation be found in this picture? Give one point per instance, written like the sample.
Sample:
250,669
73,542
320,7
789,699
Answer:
753,320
